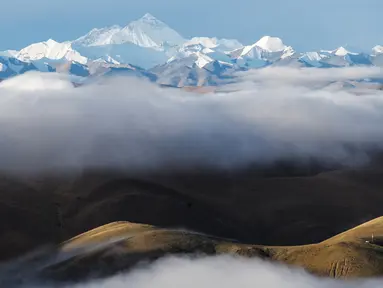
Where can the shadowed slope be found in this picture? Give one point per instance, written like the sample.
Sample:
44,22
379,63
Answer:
243,206
27,217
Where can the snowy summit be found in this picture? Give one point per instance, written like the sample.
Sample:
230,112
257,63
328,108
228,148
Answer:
271,44
51,50
147,31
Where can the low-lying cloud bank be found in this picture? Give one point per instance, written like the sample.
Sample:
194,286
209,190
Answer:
222,272
127,123
309,76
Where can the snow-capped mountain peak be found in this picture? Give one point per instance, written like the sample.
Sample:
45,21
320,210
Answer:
262,52
202,59
51,42
50,49
148,32
271,44
378,49
344,50
212,43
341,51
151,44
149,18
96,37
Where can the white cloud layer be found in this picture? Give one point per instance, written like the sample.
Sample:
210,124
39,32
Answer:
46,123
36,82
222,272
308,76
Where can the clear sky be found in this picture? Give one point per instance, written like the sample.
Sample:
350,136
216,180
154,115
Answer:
303,24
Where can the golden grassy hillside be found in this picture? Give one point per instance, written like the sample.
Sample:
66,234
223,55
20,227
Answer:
288,214
251,208
118,246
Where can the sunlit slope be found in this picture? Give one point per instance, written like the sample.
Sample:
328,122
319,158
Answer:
119,246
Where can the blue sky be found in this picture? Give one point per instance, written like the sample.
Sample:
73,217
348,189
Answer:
303,24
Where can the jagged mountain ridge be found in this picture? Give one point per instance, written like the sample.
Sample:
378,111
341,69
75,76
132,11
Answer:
151,44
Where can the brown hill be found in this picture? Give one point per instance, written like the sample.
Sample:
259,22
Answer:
270,210
118,246
242,206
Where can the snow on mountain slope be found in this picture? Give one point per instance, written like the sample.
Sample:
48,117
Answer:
145,42
95,37
44,64
147,32
314,59
378,49
193,71
267,48
231,44
9,53
262,53
203,54
221,45
150,43
266,44
127,53
51,50
206,50
3,67
288,52
342,51
271,44
12,67
344,56
202,59
312,56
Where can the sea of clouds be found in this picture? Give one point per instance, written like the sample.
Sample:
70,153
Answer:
218,272
46,124
128,123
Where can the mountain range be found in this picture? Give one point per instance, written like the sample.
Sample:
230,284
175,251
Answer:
148,47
